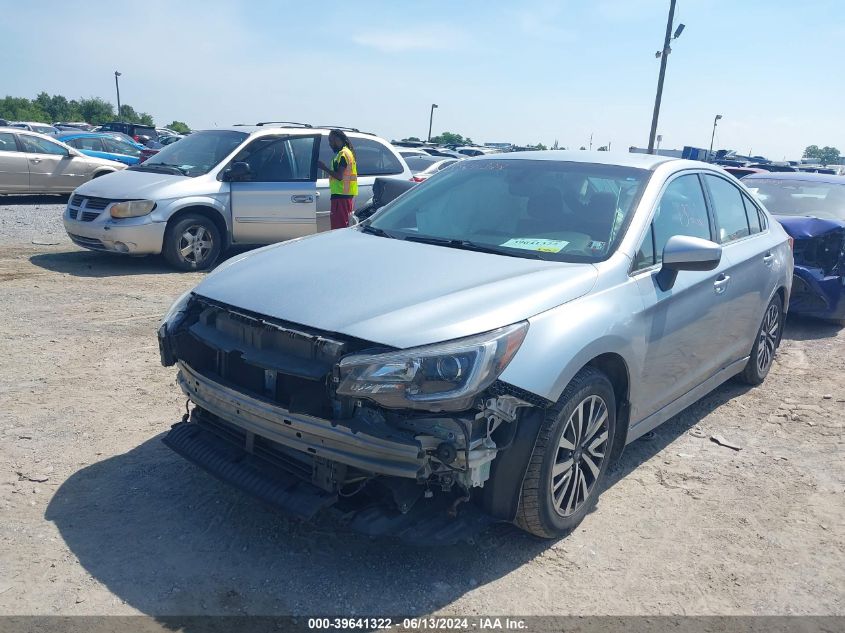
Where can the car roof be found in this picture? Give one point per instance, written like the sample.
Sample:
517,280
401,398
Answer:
293,129
643,161
798,175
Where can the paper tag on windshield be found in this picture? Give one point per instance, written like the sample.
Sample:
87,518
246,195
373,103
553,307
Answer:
536,244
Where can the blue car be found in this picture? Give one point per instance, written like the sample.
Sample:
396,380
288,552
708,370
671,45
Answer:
104,146
811,207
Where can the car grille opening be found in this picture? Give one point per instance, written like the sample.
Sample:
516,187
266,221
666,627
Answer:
87,242
87,208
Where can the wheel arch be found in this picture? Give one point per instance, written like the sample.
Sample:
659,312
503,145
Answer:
209,212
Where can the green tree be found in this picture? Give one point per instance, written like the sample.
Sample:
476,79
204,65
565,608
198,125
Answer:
96,111
603,148
825,155
583,148
450,138
128,114
411,138
21,109
179,126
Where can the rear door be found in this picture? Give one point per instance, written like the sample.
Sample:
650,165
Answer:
51,168
278,201
750,276
14,166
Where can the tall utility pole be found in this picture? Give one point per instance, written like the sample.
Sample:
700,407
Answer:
664,56
117,87
431,120
712,136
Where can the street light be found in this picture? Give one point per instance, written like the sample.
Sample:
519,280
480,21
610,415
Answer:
117,87
663,55
431,120
712,136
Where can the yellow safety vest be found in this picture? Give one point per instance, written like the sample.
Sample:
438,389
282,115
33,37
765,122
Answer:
348,186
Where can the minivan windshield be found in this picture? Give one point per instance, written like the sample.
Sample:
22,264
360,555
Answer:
195,154
538,209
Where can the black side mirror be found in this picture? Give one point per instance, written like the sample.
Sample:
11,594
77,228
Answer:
237,171
683,252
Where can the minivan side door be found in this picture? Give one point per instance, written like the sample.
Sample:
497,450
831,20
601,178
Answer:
681,325
14,166
51,167
751,275
372,158
277,200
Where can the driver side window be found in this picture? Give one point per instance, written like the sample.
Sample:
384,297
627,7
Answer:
35,145
274,159
681,211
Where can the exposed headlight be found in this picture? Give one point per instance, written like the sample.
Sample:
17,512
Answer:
132,208
177,308
442,377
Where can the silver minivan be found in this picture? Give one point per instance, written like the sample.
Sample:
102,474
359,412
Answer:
215,188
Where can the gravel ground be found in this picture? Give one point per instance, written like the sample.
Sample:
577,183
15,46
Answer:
100,518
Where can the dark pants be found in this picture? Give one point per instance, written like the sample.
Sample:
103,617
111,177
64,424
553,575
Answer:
341,209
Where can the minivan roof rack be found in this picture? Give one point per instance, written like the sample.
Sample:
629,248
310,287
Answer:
285,123
345,129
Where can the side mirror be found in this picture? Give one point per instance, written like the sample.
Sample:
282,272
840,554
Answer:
236,171
683,252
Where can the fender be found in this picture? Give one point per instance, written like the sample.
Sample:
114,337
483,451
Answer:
163,213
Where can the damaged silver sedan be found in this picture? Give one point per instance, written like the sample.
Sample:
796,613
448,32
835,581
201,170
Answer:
481,348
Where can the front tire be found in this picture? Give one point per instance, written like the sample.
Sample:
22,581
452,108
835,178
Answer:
192,243
570,460
765,344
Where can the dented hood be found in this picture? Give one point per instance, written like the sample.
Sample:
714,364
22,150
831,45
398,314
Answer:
803,227
390,291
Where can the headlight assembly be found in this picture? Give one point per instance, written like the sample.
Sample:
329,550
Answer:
177,308
132,208
441,377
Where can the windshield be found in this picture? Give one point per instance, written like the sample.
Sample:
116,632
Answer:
196,154
800,197
562,211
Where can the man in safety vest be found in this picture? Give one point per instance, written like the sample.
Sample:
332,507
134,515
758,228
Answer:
343,179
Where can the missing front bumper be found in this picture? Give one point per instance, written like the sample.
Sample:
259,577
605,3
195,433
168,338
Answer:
374,450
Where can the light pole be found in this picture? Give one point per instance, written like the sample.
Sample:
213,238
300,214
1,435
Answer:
663,55
431,120
117,87
712,136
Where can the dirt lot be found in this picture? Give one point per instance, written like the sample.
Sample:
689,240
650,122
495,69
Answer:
98,517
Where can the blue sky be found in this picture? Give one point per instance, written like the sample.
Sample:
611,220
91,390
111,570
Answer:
521,72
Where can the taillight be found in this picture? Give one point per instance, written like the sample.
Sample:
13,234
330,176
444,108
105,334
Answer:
137,138
791,244
417,179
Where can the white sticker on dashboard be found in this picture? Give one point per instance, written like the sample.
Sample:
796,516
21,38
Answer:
536,244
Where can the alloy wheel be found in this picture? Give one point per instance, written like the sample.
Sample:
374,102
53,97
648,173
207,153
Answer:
768,339
195,244
580,453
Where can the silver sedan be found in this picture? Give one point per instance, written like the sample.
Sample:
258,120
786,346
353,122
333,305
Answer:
32,163
498,333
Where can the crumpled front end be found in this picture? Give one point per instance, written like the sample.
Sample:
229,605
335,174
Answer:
269,391
818,288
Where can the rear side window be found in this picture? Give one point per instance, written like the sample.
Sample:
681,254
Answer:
729,209
756,221
374,159
7,142
681,211
91,144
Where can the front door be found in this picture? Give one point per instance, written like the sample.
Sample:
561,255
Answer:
51,167
14,166
683,324
277,201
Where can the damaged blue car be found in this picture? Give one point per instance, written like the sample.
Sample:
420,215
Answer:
811,207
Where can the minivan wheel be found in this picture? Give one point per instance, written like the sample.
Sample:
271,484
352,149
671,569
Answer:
192,243
765,344
567,469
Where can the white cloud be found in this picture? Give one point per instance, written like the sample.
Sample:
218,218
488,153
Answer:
414,39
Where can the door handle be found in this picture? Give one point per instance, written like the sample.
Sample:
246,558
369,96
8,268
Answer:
768,259
721,283
318,195
302,199
35,160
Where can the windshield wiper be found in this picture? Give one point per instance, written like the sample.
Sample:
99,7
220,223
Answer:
159,167
467,245
372,230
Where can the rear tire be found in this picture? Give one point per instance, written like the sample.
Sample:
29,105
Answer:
765,344
193,242
568,467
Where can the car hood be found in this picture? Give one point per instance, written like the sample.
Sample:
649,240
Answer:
802,227
130,184
393,292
